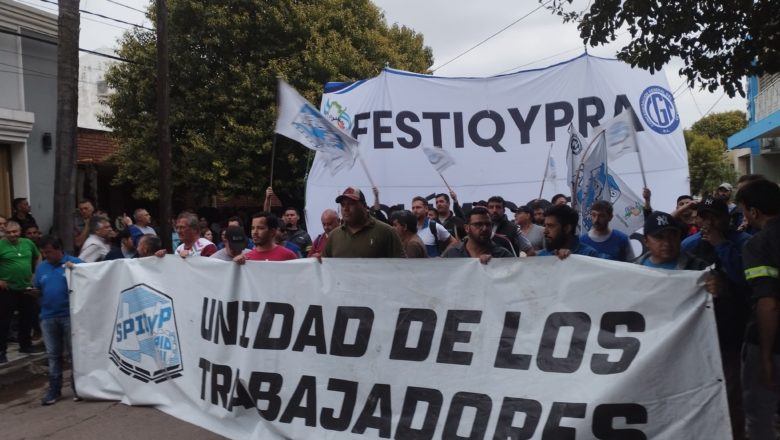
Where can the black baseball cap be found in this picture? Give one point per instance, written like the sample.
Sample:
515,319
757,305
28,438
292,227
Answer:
658,222
235,238
713,205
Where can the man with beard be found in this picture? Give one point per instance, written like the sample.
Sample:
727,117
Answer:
502,226
560,234
614,244
264,229
478,243
361,236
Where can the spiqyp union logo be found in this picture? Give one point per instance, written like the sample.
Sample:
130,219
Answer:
658,110
145,344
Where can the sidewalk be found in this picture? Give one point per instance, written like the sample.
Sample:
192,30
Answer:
21,366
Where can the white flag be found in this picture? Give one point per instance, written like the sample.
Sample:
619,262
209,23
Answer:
302,122
627,207
573,159
621,135
592,182
440,159
551,174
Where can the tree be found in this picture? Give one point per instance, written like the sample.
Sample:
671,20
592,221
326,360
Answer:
720,125
719,41
225,57
707,162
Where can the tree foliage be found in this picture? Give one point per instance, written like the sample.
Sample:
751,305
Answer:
719,41
225,58
707,162
720,125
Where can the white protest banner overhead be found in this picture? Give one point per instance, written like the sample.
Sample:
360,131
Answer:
498,131
533,348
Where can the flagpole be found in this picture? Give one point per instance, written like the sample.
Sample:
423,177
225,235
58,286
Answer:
445,182
546,168
273,155
641,165
365,168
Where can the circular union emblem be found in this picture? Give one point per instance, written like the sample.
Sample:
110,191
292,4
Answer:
576,146
658,110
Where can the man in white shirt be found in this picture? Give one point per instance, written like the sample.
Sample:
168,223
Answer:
434,244
98,244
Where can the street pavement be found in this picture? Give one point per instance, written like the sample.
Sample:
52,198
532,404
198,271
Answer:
23,383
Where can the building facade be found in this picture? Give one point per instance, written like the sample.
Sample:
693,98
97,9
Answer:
761,139
28,108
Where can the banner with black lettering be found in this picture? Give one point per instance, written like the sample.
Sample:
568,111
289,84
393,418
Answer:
498,132
445,348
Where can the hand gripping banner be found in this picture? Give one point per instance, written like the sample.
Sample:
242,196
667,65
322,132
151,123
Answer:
533,348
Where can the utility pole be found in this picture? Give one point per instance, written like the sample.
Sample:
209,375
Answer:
163,126
67,120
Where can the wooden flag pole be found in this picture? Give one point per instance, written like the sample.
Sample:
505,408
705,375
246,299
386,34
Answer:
641,165
445,182
365,168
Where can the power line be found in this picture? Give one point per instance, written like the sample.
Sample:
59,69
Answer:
42,40
55,11
30,72
713,105
695,103
490,37
105,17
540,59
126,6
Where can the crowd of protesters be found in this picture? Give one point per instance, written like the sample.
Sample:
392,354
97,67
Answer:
733,234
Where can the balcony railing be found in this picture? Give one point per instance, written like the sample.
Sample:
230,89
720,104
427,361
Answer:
768,98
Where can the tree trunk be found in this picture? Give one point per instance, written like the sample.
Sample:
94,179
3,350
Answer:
67,121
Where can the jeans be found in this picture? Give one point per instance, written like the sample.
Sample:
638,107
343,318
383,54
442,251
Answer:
56,336
760,402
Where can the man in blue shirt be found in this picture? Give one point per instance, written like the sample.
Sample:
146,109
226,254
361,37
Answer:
613,243
55,311
560,234
662,239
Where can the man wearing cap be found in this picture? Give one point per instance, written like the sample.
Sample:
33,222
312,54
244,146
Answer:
662,239
265,227
560,234
613,243
361,236
724,192
760,202
235,246
717,244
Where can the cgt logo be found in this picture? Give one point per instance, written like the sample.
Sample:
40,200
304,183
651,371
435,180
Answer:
145,344
658,110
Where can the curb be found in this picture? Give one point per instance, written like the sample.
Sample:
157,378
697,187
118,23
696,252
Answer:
23,368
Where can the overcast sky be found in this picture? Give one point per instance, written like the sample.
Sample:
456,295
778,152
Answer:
451,27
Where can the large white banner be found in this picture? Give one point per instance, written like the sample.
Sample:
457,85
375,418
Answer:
498,131
446,348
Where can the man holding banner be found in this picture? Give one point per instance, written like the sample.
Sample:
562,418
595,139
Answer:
361,236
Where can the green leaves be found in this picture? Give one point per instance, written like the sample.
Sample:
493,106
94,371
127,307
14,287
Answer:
225,57
719,41
706,144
